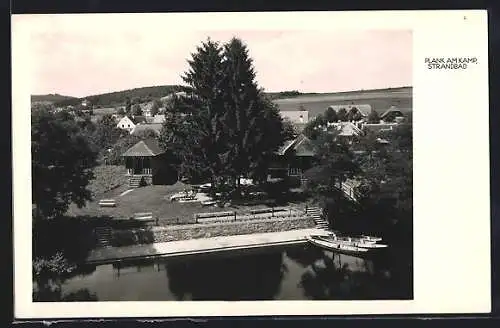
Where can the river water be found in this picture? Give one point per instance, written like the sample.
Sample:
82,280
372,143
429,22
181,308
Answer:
287,273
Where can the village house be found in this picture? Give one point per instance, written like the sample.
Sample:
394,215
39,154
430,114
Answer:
392,114
129,123
147,109
158,119
346,130
363,109
293,159
147,163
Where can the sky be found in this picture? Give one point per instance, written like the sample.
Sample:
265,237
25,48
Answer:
82,55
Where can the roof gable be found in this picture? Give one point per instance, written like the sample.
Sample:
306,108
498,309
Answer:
364,109
304,147
391,110
125,120
347,129
148,148
301,146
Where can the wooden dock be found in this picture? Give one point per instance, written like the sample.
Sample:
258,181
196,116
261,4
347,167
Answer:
201,246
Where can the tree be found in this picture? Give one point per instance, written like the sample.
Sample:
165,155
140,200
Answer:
289,131
225,127
192,127
386,192
128,106
253,125
105,134
62,162
121,111
331,115
354,115
373,117
155,107
314,127
342,115
336,162
136,110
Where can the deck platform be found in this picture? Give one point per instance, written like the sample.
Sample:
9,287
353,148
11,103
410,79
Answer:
201,246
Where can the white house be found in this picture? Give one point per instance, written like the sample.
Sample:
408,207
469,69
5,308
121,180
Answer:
125,123
296,117
158,119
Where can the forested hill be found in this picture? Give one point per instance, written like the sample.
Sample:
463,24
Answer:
136,95
52,98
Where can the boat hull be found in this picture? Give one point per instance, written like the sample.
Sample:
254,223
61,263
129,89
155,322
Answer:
338,247
346,247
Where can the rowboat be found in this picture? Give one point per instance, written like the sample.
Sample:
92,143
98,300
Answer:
358,242
371,238
347,245
336,246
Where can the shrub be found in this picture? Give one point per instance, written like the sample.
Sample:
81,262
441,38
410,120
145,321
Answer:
124,238
143,182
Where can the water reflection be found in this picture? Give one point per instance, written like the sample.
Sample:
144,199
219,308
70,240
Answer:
247,277
301,272
332,276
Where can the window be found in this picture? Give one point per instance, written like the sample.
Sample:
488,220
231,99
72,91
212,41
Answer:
295,171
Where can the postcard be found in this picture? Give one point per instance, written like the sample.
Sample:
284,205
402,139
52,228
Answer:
229,164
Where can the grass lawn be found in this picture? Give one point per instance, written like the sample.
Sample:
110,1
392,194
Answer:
153,199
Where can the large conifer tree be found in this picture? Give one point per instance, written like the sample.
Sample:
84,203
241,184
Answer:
253,125
224,127
192,129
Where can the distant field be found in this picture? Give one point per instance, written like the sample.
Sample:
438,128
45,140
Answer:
318,103
104,111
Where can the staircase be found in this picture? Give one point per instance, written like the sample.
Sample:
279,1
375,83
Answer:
316,215
103,236
134,181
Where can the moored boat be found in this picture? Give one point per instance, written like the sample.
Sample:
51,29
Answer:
347,245
371,238
335,245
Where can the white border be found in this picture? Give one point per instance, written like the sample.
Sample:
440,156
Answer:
451,170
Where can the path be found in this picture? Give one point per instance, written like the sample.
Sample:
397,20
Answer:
125,192
203,245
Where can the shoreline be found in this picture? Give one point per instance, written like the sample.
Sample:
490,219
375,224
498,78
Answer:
200,246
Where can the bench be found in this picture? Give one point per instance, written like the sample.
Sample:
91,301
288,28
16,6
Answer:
208,202
107,203
144,217
270,210
211,216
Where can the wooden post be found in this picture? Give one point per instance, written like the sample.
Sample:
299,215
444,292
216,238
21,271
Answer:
234,216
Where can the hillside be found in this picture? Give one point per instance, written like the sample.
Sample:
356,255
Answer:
50,98
380,100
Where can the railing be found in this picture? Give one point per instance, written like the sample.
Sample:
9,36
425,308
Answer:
145,171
